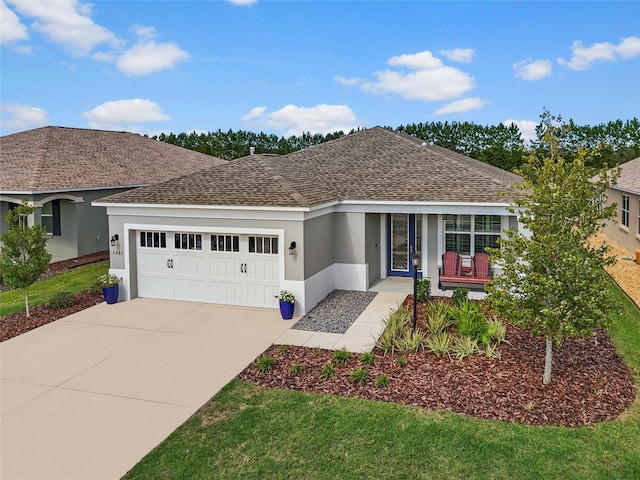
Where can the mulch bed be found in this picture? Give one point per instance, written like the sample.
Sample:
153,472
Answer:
17,323
590,382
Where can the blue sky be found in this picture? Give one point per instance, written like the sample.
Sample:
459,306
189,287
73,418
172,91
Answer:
288,67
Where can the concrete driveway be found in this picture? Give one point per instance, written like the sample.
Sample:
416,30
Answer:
88,396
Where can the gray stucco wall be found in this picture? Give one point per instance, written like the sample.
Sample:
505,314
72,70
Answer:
627,237
319,243
349,238
432,250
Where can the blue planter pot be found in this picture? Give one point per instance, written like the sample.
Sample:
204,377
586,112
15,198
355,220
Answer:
286,310
111,294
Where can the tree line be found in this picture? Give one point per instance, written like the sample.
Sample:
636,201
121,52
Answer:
500,145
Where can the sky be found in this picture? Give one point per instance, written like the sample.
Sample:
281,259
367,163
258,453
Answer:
288,67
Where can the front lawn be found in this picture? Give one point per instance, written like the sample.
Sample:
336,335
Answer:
250,432
73,281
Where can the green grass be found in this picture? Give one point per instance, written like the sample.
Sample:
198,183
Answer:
248,432
75,280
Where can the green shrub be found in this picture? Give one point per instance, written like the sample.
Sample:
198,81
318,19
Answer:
423,290
463,346
296,369
439,343
460,295
62,300
381,381
496,330
395,325
265,363
437,317
359,375
411,341
367,358
402,361
341,356
470,321
282,349
328,371
491,351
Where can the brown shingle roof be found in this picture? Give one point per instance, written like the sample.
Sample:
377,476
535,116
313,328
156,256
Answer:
629,179
59,158
371,165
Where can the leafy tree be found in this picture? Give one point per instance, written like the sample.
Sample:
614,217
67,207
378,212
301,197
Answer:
24,255
553,280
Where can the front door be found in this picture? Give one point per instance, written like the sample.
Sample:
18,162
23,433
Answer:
404,235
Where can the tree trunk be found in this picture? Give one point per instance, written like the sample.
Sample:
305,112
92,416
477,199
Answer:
26,300
546,379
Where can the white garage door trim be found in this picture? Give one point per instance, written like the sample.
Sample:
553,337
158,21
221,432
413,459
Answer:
243,278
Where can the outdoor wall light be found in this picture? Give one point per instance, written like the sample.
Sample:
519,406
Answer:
114,239
292,248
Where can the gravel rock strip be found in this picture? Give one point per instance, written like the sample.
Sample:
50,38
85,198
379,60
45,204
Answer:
336,312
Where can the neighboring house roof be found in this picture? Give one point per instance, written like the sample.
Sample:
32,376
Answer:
59,159
371,165
629,179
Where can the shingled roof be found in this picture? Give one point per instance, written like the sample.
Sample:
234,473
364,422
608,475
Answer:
371,165
629,179
59,158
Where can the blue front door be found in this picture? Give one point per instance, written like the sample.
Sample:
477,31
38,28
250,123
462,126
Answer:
403,238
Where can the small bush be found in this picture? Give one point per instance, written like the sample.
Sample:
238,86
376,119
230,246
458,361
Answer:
359,375
460,295
95,289
296,369
395,325
439,343
470,321
437,317
463,347
423,290
328,371
411,341
265,363
402,361
341,356
282,349
367,358
381,381
496,330
491,351
62,300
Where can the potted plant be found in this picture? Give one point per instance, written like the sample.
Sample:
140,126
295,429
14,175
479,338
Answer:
110,287
287,304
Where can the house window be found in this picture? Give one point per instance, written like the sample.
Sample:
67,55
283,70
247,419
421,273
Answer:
225,243
188,241
465,234
50,217
625,211
266,245
153,239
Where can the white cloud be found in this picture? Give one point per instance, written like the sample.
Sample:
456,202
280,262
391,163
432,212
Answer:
253,114
349,82
16,116
297,120
463,55
431,80
530,69
527,128
463,105
583,57
113,115
67,23
11,30
243,3
151,57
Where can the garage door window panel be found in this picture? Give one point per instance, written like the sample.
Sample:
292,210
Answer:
153,239
263,245
225,243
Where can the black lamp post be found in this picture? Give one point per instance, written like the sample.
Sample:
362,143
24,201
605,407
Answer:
415,260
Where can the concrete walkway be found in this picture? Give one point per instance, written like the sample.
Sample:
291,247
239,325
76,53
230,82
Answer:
86,397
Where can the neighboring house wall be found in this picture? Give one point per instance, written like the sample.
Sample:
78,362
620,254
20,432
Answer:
627,236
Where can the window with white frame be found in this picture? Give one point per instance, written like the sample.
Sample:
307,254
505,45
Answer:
471,234
625,211
50,217
265,245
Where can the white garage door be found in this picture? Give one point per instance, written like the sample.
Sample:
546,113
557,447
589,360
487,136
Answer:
209,267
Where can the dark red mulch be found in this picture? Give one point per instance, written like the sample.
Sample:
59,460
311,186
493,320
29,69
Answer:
590,381
18,323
